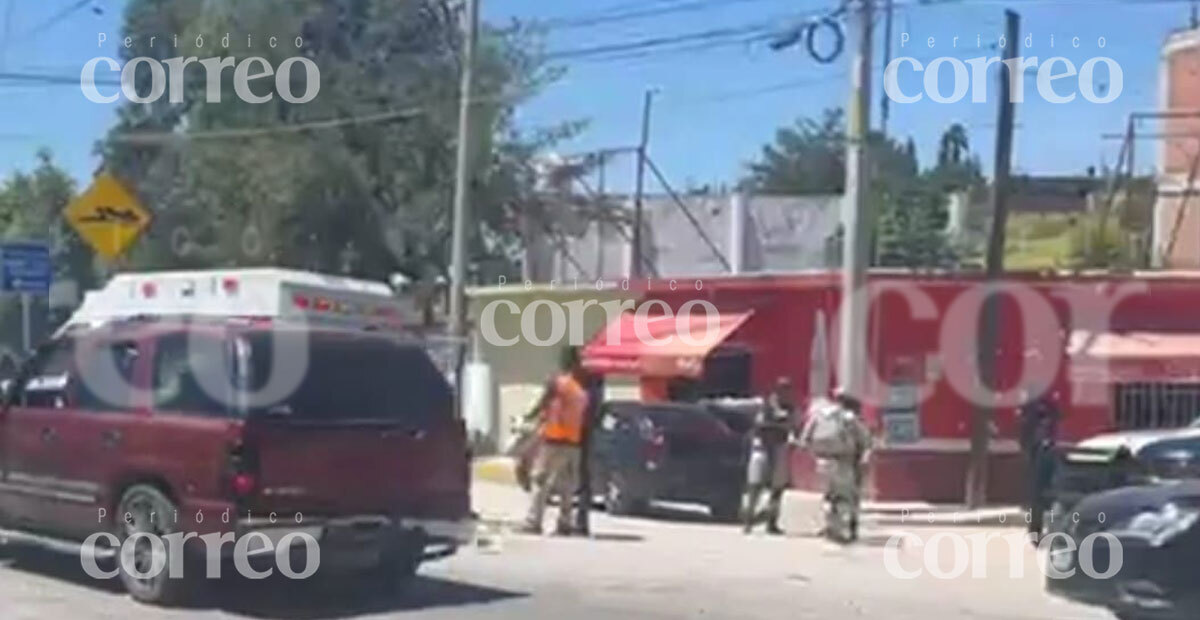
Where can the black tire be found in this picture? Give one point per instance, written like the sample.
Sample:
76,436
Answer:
396,571
140,501
620,499
726,509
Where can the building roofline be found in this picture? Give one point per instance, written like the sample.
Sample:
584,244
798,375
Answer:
1180,40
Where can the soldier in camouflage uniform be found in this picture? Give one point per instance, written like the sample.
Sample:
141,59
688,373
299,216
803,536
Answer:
769,458
843,475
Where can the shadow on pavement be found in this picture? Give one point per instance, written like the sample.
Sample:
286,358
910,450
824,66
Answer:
276,596
616,537
300,600
55,566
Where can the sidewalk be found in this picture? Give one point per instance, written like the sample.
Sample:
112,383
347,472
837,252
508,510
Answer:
799,506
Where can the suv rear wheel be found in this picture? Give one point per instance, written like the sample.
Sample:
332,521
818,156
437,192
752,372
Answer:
149,508
397,569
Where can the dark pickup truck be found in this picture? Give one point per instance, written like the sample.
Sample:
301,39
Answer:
683,452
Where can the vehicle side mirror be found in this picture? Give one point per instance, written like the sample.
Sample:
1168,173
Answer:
9,390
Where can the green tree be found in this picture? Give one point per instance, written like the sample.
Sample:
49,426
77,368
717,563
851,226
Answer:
31,205
806,158
957,167
912,228
908,212
368,198
954,146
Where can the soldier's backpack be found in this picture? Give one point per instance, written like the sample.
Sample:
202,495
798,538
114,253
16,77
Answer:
830,436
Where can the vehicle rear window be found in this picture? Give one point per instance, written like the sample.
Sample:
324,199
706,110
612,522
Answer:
354,379
678,418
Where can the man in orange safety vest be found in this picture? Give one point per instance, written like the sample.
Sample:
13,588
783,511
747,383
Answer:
561,413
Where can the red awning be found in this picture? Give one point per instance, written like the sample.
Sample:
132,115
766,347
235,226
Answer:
659,346
1135,355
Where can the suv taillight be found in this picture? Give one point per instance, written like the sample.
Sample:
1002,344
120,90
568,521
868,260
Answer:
243,485
241,478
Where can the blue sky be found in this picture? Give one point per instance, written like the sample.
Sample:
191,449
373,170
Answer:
715,107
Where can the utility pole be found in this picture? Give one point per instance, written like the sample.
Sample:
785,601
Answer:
600,202
855,250
989,323
885,103
462,178
639,184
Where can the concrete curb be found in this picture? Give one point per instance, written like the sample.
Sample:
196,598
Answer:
941,517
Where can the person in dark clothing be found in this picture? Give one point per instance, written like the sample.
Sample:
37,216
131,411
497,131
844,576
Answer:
1038,439
595,390
769,457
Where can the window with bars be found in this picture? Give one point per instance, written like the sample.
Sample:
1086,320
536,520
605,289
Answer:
1156,405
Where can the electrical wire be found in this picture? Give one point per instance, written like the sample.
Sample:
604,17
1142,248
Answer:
56,18
51,79
714,34
641,12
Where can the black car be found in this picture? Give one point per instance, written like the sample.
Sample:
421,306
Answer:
688,452
694,452
1122,459
1153,575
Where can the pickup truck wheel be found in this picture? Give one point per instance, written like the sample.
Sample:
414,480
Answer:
396,570
151,520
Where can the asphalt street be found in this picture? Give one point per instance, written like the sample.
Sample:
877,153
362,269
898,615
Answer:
673,564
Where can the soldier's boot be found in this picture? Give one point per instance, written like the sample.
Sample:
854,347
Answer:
774,507
749,508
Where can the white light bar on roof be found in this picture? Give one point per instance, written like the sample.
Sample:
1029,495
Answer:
266,293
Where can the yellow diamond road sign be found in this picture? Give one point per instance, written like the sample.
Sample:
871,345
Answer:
108,216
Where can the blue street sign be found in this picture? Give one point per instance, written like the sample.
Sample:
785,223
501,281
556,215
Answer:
25,267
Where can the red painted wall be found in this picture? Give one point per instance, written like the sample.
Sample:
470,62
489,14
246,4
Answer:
781,332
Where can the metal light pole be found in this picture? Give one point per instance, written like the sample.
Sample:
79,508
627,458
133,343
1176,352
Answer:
462,178
856,236
639,184
885,103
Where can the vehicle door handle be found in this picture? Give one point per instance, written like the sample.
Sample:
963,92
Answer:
411,433
49,435
111,438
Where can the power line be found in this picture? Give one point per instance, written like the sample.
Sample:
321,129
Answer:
158,137
393,114
640,12
672,50
765,89
714,34
47,78
58,17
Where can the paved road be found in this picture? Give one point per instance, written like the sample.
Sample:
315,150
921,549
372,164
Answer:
675,566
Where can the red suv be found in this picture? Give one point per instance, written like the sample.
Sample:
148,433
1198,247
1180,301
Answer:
173,425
